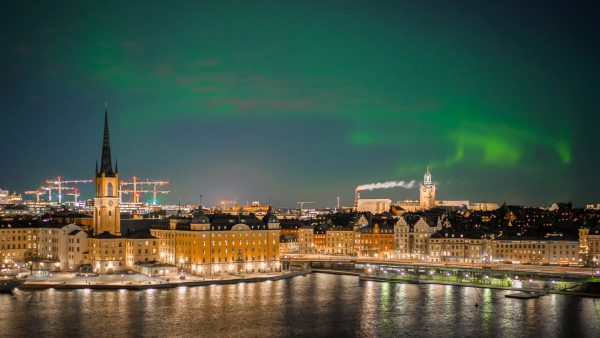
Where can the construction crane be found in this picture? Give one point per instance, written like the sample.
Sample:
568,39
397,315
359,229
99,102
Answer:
50,188
302,205
153,191
37,194
137,183
59,182
75,194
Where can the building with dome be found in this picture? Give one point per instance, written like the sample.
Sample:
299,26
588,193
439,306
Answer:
221,243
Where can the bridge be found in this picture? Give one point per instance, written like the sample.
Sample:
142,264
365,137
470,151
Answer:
517,276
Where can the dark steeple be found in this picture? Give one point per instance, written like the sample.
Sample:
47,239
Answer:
270,216
106,162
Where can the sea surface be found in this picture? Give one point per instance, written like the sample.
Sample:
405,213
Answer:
317,305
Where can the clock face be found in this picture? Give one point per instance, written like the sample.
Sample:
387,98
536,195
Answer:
110,203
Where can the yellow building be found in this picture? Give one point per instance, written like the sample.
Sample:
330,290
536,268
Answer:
225,243
18,242
42,245
61,247
339,240
593,246
411,241
107,253
142,247
306,239
455,247
548,250
288,245
375,241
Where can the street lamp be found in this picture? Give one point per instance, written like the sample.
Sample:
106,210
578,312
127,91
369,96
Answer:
122,281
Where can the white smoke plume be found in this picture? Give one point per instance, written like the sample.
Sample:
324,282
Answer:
387,185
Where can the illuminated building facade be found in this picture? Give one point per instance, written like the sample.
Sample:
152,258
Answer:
593,246
375,240
373,205
306,239
63,245
536,251
339,240
288,244
320,238
7,198
225,243
455,247
18,242
427,191
411,240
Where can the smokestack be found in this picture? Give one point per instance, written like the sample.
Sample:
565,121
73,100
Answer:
356,198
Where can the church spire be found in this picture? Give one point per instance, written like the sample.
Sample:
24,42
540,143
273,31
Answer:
427,177
106,161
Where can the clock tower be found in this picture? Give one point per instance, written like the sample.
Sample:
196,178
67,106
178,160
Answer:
427,191
107,213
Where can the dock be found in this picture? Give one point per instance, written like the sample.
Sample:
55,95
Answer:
526,295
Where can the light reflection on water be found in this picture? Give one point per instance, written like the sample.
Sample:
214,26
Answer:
317,305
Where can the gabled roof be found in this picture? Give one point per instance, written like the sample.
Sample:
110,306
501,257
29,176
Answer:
105,235
226,222
321,228
140,234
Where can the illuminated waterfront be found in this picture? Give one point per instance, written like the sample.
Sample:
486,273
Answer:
316,305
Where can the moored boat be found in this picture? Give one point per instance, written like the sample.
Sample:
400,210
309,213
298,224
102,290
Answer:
8,285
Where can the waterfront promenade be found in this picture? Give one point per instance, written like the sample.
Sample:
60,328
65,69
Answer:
137,281
556,279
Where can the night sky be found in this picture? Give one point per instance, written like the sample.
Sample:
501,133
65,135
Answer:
305,100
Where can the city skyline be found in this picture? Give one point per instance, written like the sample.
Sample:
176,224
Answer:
338,168
501,113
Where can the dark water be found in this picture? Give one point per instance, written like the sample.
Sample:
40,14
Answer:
317,305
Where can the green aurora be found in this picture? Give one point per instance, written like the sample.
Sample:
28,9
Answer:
303,101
